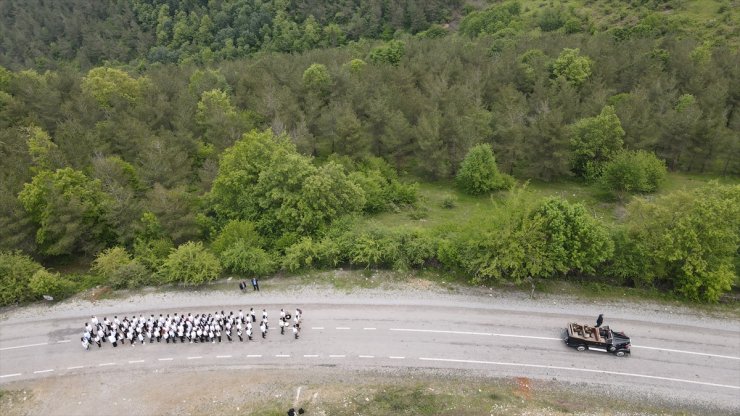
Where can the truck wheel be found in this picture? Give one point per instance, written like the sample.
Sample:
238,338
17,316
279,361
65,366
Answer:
620,354
581,348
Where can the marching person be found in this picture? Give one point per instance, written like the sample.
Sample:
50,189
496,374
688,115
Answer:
251,313
85,343
263,328
295,332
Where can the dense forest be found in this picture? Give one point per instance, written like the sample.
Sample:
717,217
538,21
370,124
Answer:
172,141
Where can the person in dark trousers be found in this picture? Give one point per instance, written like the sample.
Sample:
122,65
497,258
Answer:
255,284
600,320
242,285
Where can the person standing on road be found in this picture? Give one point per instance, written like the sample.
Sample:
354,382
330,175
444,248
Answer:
599,320
295,331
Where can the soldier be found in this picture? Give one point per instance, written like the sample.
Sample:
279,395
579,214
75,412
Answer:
263,328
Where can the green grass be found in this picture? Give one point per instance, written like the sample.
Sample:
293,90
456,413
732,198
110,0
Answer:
709,20
467,207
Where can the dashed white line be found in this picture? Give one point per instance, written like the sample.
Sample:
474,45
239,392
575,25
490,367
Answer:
282,355
43,371
526,336
395,357
10,375
23,346
223,356
310,355
195,358
336,356
317,327
106,364
136,361
74,368
369,329
64,341
688,352
366,356
584,370
434,331
254,356
343,328
165,359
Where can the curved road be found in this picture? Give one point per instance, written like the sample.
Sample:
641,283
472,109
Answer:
686,360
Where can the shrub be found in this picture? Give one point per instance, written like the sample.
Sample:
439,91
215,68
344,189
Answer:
16,270
235,232
132,275
44,282
110,260
634,171
375,248
449,202
241,258
309,253
479,174
191,264
152,253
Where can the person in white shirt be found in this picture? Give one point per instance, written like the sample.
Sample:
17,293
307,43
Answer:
263,328
85,343
295,332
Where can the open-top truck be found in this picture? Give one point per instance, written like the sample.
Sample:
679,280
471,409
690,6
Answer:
585,337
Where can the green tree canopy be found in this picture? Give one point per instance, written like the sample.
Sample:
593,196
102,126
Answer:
110,86
594,141
70,210
692,238
263,179
479,174
576,69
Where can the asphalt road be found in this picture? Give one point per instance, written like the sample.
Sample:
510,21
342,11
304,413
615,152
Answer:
673,357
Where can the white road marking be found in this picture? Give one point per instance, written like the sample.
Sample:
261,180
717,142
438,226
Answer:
282,355
23,346
317,327
223,356
310,355
106,364
64,341
369,329
584,370
435,331
688,352
526,336
254,356
165,359
343,327
394,357
136,361
74,368
336,356
195,358
10,375
366,356
44,371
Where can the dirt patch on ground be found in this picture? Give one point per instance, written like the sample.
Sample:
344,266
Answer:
320,391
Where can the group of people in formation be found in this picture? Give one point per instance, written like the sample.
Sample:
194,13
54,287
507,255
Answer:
198,328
